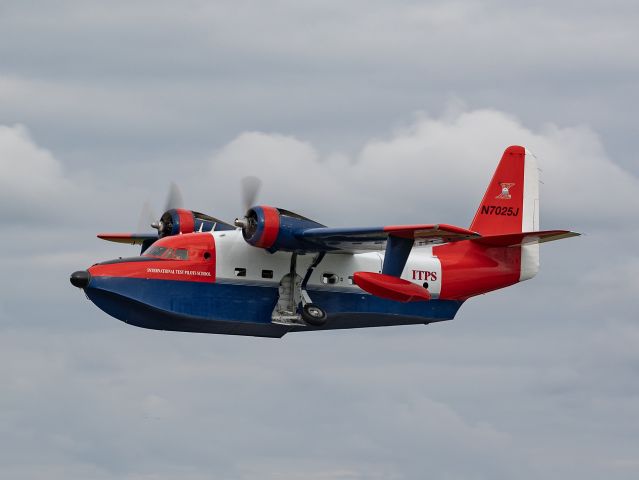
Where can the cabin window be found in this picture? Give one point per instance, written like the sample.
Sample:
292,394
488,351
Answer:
267,273
240,272
207,255
330,278
350,280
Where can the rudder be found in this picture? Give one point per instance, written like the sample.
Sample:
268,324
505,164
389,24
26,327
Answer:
511,201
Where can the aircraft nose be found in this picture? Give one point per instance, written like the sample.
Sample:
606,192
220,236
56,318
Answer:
80,279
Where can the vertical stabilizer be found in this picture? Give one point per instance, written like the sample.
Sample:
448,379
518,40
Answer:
511,204
511,201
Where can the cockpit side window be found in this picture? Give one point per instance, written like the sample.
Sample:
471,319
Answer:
155,251
181,254
168,253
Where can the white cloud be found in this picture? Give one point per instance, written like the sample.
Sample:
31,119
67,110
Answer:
36,191
138,404
30,174
536,381
434,170
144,78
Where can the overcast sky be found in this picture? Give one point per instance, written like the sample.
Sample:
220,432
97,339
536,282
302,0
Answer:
353,113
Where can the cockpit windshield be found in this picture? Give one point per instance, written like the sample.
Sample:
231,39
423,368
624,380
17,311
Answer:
168,253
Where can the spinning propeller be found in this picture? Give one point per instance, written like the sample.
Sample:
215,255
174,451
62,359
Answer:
250,188
174,201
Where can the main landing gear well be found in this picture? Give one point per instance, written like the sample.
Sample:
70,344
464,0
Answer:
293,295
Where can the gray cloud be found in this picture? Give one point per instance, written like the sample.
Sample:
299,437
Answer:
31,177
534,381
432,169
142,81
514,386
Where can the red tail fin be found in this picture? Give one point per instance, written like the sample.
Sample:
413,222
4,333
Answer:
511,202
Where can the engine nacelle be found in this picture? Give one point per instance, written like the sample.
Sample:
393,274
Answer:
274,228
178,220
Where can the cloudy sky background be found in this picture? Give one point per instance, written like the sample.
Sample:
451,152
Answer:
354,114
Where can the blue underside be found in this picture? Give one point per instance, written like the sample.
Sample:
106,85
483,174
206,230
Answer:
246,309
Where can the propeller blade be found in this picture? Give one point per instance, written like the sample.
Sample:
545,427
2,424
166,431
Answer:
250,188
147,217
174,198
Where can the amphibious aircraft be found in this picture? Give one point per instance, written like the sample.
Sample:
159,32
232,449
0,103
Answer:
274,271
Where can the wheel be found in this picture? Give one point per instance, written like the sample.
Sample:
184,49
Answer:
313,315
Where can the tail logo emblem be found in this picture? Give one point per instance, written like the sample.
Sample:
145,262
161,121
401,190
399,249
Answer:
505,191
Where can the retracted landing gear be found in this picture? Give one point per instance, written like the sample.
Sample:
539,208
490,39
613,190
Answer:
292,294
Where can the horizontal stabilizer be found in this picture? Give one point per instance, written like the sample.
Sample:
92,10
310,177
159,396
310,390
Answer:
524,238
130,238
390,288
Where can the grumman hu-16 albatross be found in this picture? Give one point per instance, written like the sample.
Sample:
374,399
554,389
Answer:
275,271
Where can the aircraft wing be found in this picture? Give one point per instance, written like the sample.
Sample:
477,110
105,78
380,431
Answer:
374,238
130,238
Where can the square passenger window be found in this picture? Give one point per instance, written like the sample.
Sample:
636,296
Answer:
240,272
330,278
267,273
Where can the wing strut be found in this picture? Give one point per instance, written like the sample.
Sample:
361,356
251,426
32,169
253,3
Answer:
396,256
388,284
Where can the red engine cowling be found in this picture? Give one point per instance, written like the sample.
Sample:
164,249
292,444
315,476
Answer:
178,220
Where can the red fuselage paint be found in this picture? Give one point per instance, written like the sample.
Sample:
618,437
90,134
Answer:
469,268
199,267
